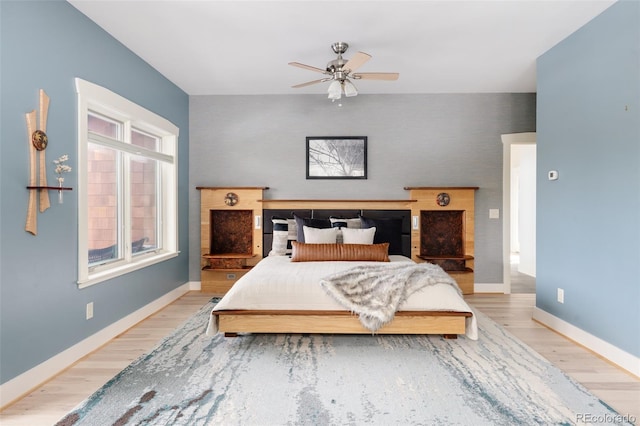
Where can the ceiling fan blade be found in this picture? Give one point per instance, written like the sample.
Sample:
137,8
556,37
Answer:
376,76
307,67
356,61
309,83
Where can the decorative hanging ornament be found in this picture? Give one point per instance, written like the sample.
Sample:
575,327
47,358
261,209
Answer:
443,199
231,199
38,142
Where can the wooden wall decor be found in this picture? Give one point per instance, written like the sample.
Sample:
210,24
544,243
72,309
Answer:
37,141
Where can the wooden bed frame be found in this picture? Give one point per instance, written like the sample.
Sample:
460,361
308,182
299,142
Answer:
232,322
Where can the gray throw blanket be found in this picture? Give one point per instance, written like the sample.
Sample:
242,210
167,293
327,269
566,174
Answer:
375,292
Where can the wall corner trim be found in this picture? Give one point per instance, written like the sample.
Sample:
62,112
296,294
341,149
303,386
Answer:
606,350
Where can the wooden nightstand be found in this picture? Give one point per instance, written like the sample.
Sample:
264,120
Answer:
230,235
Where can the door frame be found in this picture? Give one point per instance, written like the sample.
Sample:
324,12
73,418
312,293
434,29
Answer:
528,138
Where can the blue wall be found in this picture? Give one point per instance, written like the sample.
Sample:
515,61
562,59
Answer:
46,44
588,240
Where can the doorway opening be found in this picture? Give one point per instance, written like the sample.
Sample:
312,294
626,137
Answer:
519,207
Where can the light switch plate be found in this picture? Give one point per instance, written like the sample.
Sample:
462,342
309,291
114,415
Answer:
494,213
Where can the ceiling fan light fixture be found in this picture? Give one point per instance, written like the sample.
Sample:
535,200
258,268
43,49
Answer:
340,72
335,90
349,88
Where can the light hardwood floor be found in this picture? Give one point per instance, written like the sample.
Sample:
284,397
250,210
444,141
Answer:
50,402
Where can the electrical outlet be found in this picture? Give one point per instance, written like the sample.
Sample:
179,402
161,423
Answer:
560,295
89,310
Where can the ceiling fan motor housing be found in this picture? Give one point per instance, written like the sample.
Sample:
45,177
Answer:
336,65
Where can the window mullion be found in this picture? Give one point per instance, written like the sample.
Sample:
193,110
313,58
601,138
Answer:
128,147
161,232
125,190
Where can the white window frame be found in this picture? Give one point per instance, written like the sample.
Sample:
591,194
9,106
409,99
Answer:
94,98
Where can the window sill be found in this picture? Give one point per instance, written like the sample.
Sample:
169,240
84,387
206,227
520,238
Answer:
104,275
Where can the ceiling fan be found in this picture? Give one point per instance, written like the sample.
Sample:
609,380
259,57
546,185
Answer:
341,71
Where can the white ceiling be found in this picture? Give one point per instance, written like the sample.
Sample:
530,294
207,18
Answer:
209,47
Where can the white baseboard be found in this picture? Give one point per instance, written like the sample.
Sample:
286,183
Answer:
488,288
195,285
21,385
611,353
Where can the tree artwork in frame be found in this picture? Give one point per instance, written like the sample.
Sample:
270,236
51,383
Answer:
330,157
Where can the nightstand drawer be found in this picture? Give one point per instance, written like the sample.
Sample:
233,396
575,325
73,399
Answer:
219,281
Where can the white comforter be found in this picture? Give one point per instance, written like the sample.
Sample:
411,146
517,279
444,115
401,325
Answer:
276,283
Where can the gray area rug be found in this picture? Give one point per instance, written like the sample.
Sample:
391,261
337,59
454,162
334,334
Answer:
293,379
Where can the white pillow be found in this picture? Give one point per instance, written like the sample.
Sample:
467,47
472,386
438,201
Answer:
358,236
320,235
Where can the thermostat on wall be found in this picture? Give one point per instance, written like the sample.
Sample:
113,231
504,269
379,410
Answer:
553,175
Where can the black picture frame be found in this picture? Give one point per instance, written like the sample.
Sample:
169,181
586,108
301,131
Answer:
336,157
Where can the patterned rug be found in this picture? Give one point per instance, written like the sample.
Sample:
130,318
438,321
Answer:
192,379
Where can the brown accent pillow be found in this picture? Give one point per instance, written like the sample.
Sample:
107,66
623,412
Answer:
303,252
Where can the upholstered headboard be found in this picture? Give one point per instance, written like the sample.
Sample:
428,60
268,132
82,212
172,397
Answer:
375,217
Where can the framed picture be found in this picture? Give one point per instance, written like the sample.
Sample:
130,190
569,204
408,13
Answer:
330,157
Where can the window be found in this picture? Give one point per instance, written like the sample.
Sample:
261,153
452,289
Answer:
127,183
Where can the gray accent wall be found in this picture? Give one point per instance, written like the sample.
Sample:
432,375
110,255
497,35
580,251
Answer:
413,140
588,220
45,45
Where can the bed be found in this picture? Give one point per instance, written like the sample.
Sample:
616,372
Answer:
284,294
